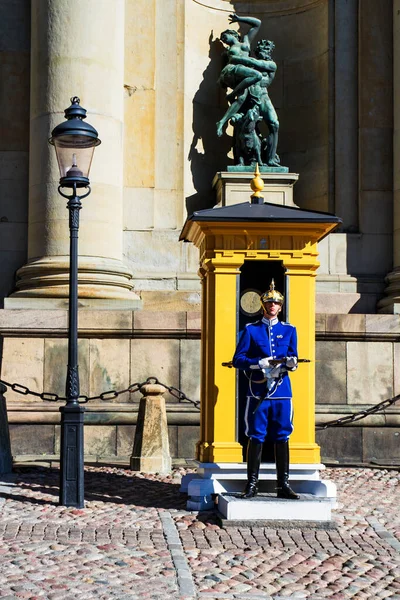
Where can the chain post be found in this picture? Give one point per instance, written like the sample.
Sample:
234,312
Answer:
5,445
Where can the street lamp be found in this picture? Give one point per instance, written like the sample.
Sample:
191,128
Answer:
74,142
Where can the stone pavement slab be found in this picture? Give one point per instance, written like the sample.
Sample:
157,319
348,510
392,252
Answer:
267,508
135,539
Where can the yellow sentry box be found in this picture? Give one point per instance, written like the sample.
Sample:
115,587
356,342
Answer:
227,237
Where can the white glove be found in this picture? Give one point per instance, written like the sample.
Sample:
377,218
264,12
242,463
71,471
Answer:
273,372
263,363
291,362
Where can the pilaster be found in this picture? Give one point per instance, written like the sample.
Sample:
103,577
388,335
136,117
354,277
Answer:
346,112
301,285
219,443
379,76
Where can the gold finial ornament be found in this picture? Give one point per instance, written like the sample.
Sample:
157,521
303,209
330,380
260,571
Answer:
257,184
272,295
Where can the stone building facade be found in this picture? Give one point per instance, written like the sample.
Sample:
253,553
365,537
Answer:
146,71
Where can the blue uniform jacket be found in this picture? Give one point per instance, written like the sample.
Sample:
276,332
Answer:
259,340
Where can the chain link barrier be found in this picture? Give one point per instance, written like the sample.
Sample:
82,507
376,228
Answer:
381,407
104,396
181,397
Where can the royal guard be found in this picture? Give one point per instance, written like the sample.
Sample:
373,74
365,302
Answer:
266,351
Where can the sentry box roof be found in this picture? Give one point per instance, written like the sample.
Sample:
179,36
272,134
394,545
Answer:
257,214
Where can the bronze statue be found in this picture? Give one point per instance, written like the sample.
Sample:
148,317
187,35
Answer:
247,148
249,77
236,74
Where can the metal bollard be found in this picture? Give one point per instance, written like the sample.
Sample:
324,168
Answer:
151,446
5,446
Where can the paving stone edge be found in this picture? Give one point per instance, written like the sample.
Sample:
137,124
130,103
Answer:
183,573
383,533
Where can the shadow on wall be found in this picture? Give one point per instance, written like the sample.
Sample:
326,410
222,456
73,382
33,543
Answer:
208,153
10,260
299,93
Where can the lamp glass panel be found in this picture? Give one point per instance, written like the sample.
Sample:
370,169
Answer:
74,150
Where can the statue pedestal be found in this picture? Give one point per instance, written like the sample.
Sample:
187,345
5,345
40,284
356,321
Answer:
234,187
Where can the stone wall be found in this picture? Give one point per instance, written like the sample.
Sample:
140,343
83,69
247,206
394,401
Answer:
352,273
357,368
116,348
356,364
150,87
156,116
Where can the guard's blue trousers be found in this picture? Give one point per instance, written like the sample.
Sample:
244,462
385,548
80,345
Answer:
273,419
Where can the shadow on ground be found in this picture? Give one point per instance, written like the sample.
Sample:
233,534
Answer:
117,486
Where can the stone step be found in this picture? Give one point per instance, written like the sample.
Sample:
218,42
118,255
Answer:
268,508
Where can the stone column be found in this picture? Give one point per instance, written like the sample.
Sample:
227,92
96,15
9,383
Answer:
77,48
391,304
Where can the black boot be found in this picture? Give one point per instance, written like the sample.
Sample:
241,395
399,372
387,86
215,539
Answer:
282,471
254,450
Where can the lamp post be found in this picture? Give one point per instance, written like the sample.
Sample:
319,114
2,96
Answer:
74,142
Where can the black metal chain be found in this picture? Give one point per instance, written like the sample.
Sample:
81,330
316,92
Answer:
381,407
105,396
182,397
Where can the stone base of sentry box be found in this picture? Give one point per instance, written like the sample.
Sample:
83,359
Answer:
211,479
268,510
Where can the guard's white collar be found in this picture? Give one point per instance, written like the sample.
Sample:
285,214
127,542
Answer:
270,322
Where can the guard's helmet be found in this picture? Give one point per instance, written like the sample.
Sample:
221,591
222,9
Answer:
272,295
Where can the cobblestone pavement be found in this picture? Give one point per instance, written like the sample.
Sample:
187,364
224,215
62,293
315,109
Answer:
134,539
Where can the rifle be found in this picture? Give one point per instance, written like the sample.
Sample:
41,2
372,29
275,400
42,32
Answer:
273,362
